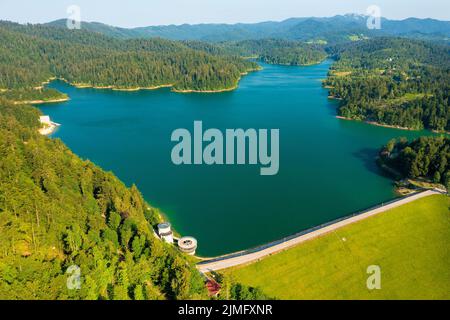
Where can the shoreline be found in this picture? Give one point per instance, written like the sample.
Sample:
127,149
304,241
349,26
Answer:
143,88
42,101
115,88
48,130
204,91
315,63
373,123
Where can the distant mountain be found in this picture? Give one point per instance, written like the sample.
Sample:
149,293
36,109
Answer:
418,28
331,29
121,33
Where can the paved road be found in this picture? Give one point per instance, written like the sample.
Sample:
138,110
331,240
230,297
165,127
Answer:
247,256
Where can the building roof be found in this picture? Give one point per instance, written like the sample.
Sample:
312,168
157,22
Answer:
44,119
187,243
213,287
164,225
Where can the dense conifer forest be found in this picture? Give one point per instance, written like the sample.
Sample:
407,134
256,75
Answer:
32,54
272,51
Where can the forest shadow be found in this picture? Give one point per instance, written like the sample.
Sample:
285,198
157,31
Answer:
368,156
332,106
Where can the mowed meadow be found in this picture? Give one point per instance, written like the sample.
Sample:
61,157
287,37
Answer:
409,244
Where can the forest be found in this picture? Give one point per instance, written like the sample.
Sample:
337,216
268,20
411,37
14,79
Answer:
34,95
58,211
33,54
392,81
425,157
273,51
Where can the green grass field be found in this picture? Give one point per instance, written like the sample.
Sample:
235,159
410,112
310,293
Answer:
411,244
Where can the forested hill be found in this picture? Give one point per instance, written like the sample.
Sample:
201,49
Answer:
393,81
273,51
32,54
57,210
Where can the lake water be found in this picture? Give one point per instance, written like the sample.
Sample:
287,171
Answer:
327,166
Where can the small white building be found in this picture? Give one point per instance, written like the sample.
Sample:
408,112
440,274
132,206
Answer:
45,120
165,232
48,126
188,245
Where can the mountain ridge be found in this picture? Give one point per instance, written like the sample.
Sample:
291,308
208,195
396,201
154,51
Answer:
303,28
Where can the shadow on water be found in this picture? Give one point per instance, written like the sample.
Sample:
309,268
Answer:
332,107
368,156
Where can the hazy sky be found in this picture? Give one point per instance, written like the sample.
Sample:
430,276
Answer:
132,13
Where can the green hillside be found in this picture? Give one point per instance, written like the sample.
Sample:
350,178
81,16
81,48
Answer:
32,54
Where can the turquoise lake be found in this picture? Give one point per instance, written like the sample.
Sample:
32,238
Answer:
327,165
